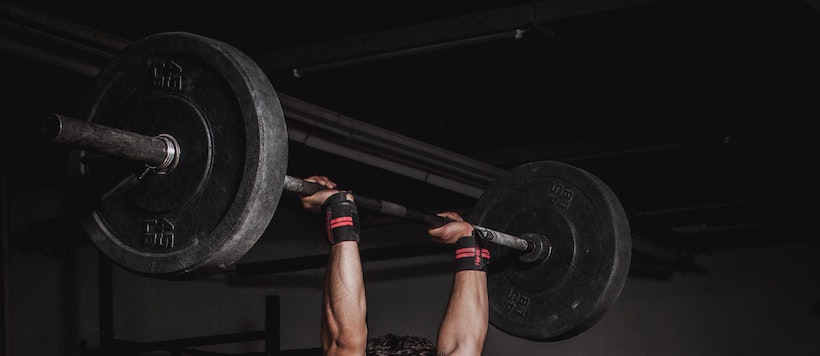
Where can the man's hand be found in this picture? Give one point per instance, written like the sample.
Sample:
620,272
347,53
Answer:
313,203
452,231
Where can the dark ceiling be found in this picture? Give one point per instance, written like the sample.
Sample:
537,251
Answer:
696,113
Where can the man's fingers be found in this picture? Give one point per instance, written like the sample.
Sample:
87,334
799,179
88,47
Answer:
323,180
313,202
451,215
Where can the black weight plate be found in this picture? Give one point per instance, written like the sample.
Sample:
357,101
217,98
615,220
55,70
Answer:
223,111
591,245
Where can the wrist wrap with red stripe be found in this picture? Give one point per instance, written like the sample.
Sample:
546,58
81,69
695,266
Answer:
469,255
342,218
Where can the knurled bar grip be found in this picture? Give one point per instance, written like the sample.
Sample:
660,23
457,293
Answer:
157,152
304,187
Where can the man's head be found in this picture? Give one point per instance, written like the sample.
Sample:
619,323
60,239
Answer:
394,345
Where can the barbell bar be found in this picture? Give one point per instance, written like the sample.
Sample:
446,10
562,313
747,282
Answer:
161,152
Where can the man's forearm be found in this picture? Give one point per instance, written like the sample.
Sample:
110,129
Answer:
465,323
344,330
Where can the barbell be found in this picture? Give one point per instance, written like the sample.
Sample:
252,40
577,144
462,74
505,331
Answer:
205,145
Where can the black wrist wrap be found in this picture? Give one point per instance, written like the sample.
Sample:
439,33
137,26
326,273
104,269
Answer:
342,218
469,255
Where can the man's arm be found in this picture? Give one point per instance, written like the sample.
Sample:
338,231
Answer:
464,327
344,329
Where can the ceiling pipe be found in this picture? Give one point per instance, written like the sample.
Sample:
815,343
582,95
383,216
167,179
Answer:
48,57
514,34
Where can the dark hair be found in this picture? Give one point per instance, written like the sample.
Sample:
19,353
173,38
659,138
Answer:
394,345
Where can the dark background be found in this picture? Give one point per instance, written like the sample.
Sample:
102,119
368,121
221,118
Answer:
699,115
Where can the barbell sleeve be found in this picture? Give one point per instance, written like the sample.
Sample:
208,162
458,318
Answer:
157,152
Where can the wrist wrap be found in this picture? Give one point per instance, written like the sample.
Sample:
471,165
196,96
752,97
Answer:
469,255
342,218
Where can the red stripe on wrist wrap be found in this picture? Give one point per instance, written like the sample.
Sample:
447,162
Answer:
469,255
342,219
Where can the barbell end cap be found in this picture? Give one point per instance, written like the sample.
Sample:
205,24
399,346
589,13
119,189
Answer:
172,151
538,250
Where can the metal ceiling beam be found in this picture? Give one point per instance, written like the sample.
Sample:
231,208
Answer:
469,29
387,150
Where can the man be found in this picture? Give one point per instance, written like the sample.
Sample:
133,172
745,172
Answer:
344,328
